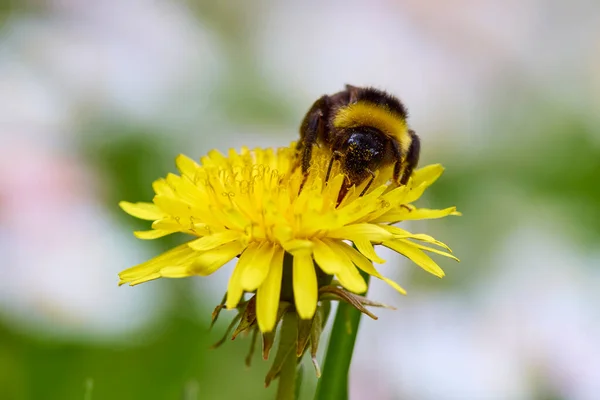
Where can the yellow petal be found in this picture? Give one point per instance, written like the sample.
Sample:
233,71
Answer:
396,196
367,250
173,205
174,181
326,258
372,196
209,242
210,261
425,213
402,234
237,219
428,239
234,289
147,211
402,214
173,225
305,285
360,207
145,278
414,193
267,296
370,232
167,224
216,157
161,187
257,270
436,251
348,275
299,205
188,191
176,256
389,201
365,265
176,271
298,245
331,191
428,174
151,234
186,166
283,233
416,255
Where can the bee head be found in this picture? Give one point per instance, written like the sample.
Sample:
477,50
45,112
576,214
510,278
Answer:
363,149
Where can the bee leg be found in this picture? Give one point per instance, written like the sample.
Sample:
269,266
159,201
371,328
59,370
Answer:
335,156
310,134
310,141
403,168
396,178
368,184
312,128
304,179
412,157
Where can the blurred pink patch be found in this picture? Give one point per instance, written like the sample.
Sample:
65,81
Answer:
39,183
61,249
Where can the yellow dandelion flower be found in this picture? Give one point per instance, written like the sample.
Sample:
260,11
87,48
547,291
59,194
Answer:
248,204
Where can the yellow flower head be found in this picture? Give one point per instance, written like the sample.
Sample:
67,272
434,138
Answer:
249,204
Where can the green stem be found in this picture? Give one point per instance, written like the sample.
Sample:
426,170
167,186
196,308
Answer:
286,388
333,383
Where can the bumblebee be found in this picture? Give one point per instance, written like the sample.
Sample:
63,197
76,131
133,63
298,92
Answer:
366,129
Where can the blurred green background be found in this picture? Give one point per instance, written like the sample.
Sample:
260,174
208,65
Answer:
97,99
